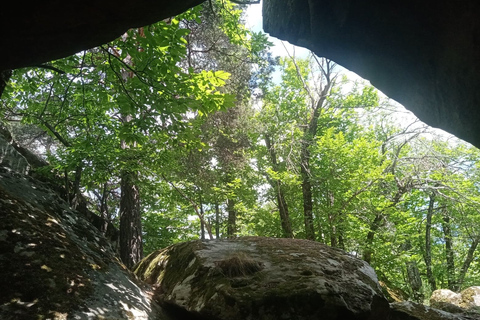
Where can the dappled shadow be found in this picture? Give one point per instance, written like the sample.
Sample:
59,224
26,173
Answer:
55,264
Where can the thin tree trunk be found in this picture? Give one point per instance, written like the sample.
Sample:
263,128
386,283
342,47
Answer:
131,246
414,280
307,192
466,264
450,257
321,234
284,215
78,201
195,207
277,186
428,244
232,219
104,208
332,219
67,186
217,220
202,224
368,251
309,133
413,274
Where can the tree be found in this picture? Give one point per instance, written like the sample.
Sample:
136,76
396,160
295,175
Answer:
112,105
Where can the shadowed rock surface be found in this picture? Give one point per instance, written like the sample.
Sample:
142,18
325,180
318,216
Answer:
424,54
264,278
37,32
55,264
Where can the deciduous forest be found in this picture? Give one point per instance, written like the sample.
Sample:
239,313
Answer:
191,128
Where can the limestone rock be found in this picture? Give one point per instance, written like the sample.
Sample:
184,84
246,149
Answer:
466,301
263,278
446,300
414,311
471,298
57,31
56,265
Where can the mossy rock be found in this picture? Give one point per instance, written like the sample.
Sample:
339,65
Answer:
263,278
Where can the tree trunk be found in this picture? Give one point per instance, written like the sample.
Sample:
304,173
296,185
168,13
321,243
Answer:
217,220
104,213
232,219
309,134
307,192
447,236
284,215
4,78
131,246
466,264
368,251
332,217
277,186
202,221
428,244
414,280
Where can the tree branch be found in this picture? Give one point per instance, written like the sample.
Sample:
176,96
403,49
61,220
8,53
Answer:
194,204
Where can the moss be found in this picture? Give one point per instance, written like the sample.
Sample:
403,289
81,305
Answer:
239,265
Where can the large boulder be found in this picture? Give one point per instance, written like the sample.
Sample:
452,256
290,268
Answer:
471,298
447,300
56,265
263,278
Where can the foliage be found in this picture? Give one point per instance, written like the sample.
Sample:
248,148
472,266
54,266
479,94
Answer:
222,147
